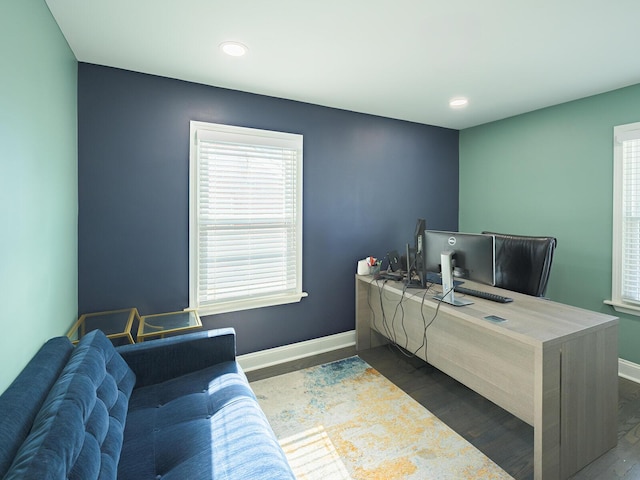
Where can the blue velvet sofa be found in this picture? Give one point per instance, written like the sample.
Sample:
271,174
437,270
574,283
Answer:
175,408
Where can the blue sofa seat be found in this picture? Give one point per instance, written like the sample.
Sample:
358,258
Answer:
177,408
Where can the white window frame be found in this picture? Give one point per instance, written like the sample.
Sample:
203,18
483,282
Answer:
621,133
247,136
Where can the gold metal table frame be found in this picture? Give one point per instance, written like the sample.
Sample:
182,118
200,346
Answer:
114,323
160,324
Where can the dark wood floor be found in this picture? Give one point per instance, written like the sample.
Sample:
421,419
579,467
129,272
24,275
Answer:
502,437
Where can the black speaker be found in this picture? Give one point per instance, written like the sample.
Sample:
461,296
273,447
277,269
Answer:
394,261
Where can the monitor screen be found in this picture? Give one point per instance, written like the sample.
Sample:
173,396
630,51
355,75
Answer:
473,254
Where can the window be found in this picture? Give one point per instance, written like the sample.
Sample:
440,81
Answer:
626,219
245,218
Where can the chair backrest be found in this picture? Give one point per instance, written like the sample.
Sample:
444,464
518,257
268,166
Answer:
523,263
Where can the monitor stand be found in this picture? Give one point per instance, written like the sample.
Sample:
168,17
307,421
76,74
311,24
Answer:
447,295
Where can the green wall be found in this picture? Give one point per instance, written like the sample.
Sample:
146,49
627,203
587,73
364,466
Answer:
38,183
550,172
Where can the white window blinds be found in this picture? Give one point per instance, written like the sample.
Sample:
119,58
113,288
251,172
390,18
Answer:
625,285
631,218
247,212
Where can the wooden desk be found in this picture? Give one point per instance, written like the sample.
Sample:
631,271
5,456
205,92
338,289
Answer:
552,365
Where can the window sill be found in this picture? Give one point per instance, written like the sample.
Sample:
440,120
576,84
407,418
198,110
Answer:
627,308
238,306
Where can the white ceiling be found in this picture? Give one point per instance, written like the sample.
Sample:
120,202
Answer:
397,58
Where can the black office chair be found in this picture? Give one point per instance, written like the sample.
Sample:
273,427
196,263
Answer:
523,263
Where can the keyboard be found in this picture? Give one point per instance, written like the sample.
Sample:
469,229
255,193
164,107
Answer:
486,295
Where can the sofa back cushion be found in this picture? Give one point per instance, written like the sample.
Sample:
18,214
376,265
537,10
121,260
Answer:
78,432
22,401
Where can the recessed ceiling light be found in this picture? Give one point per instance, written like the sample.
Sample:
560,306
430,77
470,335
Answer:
458,102
235,49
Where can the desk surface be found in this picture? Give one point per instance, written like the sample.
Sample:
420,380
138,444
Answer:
530,319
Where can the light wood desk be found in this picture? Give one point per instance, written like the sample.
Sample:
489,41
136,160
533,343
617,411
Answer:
552,365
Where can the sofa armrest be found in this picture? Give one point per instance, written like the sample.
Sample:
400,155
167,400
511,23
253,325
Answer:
156,361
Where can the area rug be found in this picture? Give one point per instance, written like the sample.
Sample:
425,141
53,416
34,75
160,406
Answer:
344,420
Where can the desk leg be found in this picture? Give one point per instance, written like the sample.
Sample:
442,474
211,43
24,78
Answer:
366,337
589,398
546,424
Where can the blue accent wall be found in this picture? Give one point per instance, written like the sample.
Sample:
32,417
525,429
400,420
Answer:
366,181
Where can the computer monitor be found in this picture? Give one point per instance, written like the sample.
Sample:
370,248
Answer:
458,255
416,273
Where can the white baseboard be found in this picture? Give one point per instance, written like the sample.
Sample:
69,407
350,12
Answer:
629,370
287,353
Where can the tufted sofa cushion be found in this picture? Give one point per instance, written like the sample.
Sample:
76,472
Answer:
26,394
78,432
204,425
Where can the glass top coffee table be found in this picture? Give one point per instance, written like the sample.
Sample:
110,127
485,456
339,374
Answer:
115,324
162,323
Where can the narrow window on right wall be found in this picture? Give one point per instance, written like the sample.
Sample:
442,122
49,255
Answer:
625,284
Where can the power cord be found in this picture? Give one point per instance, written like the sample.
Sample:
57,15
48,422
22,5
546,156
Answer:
385,324
389,330
425,342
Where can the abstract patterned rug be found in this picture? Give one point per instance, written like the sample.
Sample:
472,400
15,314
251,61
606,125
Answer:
344,420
